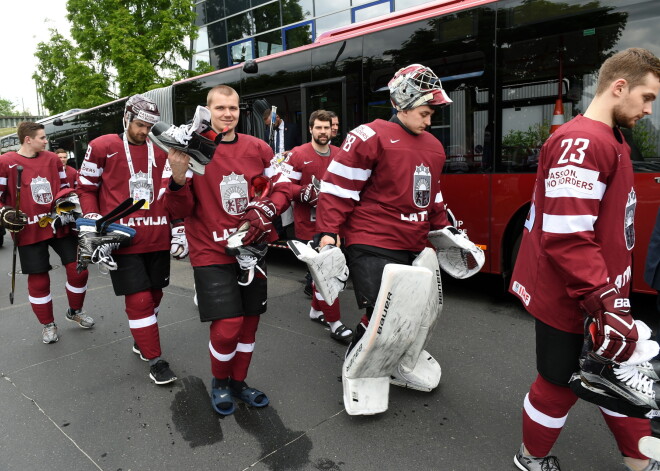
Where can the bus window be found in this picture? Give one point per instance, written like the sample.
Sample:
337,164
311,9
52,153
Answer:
458,48
545,76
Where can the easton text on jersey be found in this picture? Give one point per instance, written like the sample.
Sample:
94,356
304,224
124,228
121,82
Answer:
571,178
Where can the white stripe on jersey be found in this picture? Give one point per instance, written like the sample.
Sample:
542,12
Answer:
295,175
90,169
62,174
3,180
350,173
84,181
598,193
339,191
568,224
541,418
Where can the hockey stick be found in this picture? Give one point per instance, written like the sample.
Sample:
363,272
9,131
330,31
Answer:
271,136
19,173
124,209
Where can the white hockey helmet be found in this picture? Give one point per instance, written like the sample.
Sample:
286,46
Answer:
416,85
142,108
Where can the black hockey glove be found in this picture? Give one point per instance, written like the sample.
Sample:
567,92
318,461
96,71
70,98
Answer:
14,220
260,215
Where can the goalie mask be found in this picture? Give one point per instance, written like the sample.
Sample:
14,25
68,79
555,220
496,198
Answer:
142,108
416,85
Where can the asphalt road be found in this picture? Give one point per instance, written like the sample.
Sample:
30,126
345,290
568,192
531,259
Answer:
86,403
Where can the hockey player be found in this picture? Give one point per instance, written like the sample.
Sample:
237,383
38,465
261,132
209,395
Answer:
214,205
118,166
583,209
71,173
302,164
42,178
382,191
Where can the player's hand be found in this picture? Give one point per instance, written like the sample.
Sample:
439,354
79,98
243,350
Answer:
14,220
260,215
179,245
309,194
179,164
614,331
328,239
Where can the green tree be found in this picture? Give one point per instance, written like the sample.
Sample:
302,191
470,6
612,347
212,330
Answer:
119,47
64,80
6,108
142,40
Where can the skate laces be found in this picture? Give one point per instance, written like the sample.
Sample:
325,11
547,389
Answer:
249,262
101,255
634,379
181,134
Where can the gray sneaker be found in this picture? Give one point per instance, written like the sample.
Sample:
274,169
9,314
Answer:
49,333
652,466
529,463
80,318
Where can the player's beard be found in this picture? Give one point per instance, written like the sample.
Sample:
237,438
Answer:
321,140
136,138
623,119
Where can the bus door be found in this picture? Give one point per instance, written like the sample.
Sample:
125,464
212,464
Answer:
329,95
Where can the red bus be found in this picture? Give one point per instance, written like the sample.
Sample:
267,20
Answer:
510,67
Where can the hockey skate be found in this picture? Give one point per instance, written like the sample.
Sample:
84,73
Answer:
96,247
620,388
188,139
247,256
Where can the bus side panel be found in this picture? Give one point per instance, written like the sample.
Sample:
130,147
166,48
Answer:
472,210
510,192
648,202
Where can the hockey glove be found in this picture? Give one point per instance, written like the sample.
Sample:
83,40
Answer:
308,194
179,247
260,215
14,220
614,331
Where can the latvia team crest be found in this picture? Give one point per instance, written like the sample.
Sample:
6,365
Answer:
234,194
41,190
422,186
628,223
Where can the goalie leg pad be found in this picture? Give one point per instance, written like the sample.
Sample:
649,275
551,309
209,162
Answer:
418,369
394,325
327,267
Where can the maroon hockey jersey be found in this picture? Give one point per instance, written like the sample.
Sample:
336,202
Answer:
71,176
43,177
212,204
302,163
383,188
104,181
579,234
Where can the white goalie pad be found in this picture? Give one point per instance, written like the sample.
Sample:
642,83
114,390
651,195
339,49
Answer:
457,255
418,369
394,326
327,267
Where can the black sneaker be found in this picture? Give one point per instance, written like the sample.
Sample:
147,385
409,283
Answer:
160,373
137,351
